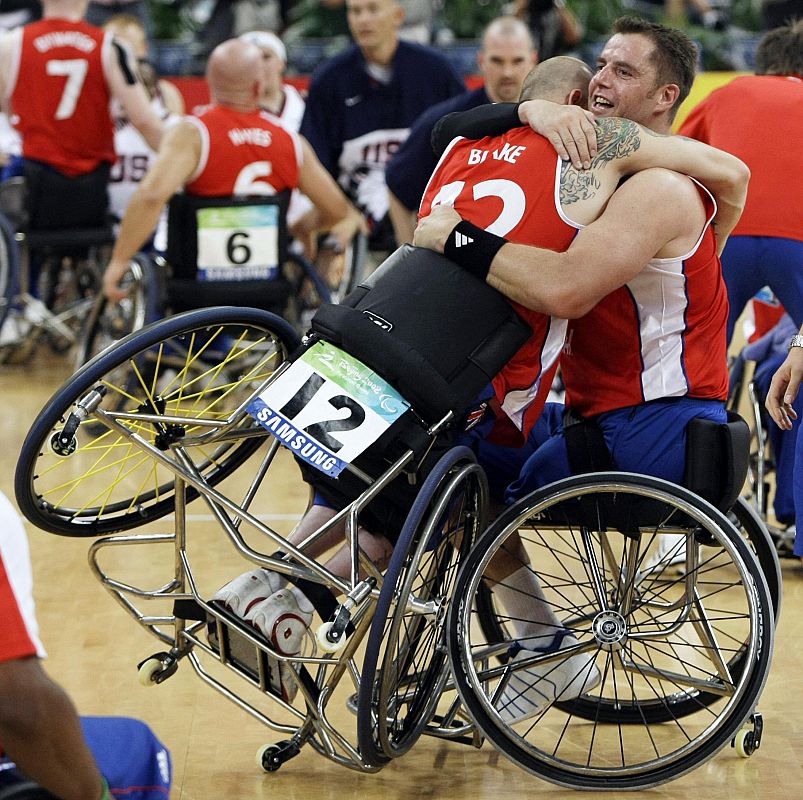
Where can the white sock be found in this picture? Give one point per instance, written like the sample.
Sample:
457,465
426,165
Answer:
531,617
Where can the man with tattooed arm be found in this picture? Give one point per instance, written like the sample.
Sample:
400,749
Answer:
641,285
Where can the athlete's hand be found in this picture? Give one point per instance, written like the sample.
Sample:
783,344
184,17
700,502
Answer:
112,279
434,229
784,388
571,129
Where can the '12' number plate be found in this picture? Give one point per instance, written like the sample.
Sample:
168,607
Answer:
327,408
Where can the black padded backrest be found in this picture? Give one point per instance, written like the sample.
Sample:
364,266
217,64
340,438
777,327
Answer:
185,212
717,459
58,202
435,332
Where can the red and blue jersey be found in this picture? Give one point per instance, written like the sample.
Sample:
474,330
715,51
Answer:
502,184
661,335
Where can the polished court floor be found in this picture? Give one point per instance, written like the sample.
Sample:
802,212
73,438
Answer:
94,649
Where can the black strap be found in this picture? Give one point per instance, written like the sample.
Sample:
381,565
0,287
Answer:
585,444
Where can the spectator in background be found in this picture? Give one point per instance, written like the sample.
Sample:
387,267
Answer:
555,27
230,18
418,25
505,57
39,727
766,248
362,102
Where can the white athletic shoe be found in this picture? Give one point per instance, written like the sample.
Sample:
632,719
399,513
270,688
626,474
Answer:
248,589
281,620
670,551
530,691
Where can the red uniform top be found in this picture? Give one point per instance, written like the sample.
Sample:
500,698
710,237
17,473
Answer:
661,335
509,185
759,118
243,153
60,94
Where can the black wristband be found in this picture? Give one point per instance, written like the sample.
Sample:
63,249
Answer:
472,248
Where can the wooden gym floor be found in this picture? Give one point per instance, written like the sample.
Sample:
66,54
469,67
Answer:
94,648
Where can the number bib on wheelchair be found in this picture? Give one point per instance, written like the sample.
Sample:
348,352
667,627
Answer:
238,243
328,408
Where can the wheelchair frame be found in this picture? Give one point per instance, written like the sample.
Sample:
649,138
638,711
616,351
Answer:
99,420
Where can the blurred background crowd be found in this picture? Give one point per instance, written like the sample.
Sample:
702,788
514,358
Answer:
183,32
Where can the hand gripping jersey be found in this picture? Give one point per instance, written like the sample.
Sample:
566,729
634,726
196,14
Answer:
243,153
661,335
59,93
510,186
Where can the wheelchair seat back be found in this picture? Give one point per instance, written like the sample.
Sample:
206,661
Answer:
227,251
63,213
717,456
436,333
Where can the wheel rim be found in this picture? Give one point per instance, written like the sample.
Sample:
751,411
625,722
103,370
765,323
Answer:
725,623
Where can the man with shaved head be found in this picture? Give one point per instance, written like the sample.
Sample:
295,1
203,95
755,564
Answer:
232,148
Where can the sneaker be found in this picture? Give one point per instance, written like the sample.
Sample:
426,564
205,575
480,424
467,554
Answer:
283,621
670,551
530,691
245,591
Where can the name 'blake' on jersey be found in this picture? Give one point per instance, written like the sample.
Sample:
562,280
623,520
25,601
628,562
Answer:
507,152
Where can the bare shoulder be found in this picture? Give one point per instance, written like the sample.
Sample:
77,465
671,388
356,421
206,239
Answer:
661,185
616,138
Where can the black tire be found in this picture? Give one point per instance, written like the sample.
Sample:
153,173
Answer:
107,323
404,670
9,267
168,369
698,665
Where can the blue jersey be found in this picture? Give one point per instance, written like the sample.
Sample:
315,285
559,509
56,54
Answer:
408,171
355,122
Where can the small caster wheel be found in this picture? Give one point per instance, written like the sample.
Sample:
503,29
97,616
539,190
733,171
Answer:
61,445
156,669
268,758
327,644
271,756
744,743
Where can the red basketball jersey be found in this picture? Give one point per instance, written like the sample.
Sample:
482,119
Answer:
661,335
510,186
60,96
243,153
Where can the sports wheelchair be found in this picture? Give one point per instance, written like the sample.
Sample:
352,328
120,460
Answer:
172,411
225,251
55,239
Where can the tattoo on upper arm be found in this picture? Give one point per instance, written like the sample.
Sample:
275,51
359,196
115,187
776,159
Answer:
616,138
576,185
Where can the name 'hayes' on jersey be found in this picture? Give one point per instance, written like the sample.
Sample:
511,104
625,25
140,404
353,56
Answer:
243,153
509,185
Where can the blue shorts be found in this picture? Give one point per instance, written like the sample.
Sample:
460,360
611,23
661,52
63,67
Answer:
649,439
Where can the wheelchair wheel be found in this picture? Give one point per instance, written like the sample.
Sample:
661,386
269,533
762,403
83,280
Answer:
691,651
405,660
107,323
347,269
167,384
9,267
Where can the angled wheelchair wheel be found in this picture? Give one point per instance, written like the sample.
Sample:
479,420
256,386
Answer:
405,667
9,267
660,673
107,323
176,383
